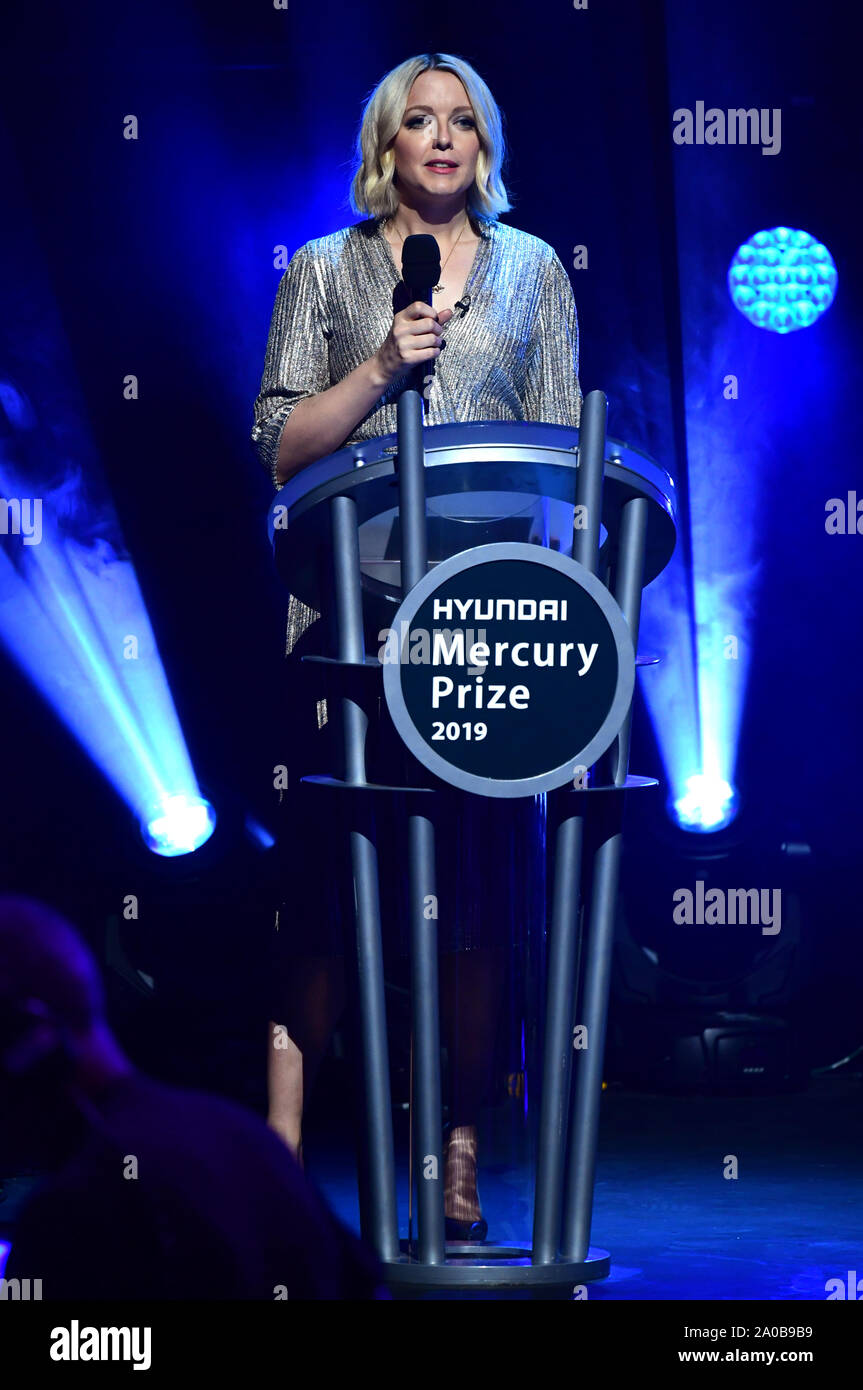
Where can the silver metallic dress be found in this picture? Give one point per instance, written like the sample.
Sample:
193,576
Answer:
511,354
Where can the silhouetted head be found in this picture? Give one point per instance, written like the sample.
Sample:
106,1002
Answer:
54,1040
44,960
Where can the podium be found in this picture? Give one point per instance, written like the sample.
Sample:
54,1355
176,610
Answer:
503,566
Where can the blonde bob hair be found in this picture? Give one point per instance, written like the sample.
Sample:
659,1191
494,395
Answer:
372,188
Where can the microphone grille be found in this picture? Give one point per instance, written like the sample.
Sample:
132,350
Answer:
420,260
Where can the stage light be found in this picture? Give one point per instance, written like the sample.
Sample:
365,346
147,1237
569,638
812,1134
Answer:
708,804
74,620
782,279
180,825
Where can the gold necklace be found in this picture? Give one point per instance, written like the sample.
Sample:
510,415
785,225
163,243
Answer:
436,289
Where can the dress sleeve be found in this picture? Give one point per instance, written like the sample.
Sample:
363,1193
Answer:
552,392
296,364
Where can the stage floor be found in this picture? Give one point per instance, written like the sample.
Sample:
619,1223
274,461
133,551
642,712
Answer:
675,1227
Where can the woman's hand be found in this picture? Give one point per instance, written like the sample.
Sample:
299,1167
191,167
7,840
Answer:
415,337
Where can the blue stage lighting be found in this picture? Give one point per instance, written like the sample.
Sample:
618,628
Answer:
708,804
73,618
180,825
259,834
782,279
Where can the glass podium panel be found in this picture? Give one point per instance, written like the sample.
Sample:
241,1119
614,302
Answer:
461,521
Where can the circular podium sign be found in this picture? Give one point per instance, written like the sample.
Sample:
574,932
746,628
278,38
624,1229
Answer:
509,669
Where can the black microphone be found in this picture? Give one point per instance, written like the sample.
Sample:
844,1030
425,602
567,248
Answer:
420,273
463,304
420,266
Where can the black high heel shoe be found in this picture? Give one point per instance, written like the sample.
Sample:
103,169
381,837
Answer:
465,1232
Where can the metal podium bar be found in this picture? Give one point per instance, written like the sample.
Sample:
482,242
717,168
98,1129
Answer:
412,491
379,1207
349,627
628,585
562,954
629,570
426,1028
557,1051
427,1127
588,483
588,1087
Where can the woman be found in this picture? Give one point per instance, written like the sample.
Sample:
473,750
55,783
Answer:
429,158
